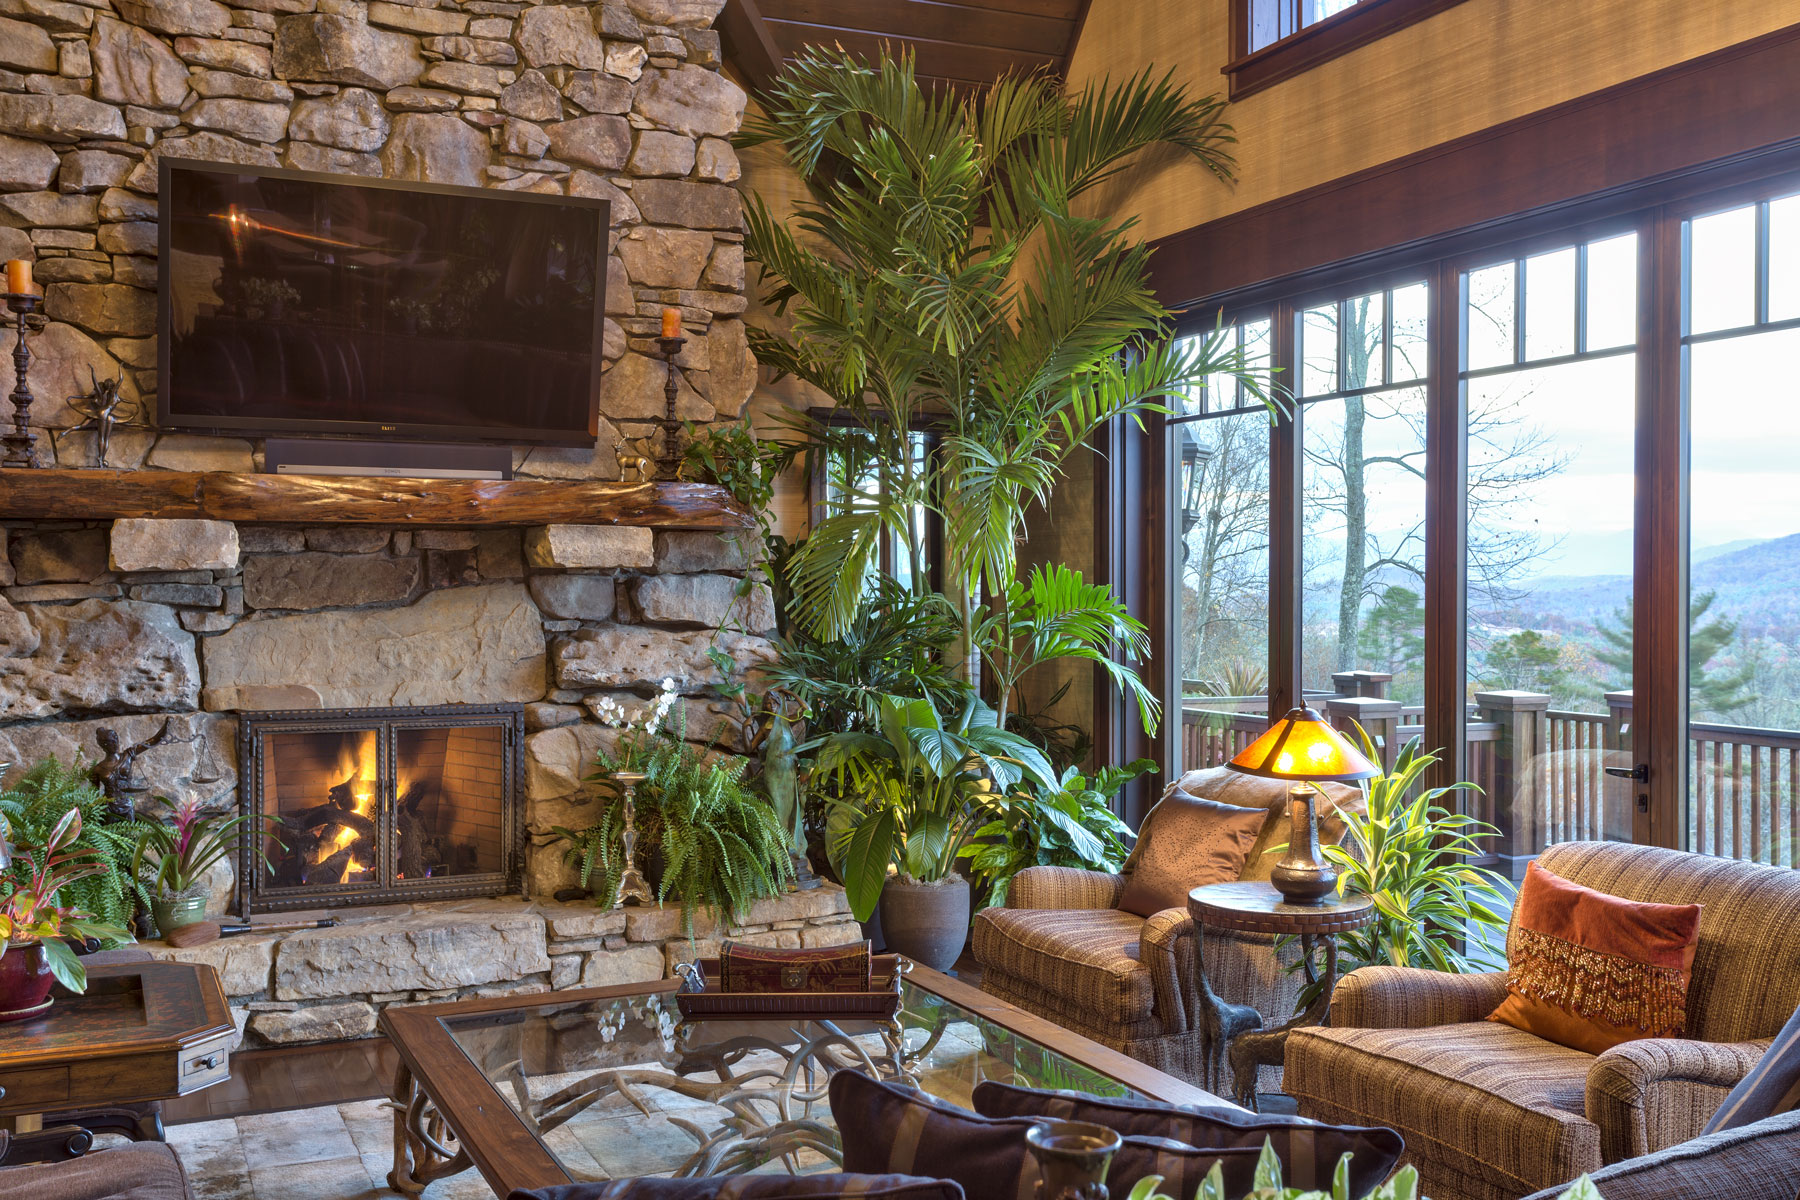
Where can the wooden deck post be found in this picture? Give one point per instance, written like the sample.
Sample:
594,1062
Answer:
1518,802
1380,717
1363,683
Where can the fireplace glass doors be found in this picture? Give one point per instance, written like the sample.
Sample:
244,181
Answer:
382,805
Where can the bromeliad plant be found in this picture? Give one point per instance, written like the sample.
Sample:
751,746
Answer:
1409,854
32,914
175,858
1072,825
917,790
1402,1185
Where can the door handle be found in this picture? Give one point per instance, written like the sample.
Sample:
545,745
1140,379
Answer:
1641,772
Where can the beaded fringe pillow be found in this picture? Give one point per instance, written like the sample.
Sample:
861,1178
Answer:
745,968
1589,971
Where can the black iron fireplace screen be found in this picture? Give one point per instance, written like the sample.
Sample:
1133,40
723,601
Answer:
381,805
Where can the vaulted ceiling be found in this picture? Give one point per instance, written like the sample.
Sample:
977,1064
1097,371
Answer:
970,42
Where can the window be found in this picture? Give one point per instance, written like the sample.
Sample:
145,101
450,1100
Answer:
1536,503
1274,40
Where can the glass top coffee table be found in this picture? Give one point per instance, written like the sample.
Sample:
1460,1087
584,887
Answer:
548,1089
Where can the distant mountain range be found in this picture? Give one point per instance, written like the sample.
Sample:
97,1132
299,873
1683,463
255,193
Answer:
1757,583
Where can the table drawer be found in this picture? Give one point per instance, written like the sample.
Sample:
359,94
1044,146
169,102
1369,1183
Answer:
204,1065
33,1089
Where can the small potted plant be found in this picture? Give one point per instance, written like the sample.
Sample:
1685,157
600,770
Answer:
175,858
33,954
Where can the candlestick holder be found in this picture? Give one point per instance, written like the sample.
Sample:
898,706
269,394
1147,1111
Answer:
668,466
632,884
21,314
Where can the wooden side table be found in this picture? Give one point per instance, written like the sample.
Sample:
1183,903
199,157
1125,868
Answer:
142,1031
1259,908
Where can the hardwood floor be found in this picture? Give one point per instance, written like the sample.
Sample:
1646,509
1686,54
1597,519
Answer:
275,1080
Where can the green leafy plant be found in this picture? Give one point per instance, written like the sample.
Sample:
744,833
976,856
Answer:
174,858
1408,853
1071,825
912,299
1402,1185
36,804
32,914
721,844
917,790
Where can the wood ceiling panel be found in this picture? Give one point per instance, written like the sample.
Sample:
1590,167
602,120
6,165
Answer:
949,60
967,24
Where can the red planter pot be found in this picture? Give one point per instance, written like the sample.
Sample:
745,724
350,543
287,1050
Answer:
25,981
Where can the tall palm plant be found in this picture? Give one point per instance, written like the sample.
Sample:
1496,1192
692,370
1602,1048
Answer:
941,270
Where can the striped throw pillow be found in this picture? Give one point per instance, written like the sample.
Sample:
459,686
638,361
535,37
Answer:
1772,1086
756,1187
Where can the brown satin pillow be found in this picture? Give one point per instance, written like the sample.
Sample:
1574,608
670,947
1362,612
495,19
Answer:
1187,842
1226,786
1588,970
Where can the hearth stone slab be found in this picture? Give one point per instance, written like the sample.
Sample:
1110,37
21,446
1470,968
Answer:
485,641
245,963
141,544
322,1022
448,951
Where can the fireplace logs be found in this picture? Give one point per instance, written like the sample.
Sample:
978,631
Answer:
385,804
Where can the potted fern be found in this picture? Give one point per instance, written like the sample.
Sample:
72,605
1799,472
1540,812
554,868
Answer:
720,845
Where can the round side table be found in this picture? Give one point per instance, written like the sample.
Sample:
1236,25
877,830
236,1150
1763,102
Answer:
1259,908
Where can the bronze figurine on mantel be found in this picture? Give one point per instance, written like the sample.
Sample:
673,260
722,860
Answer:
22,314
103,410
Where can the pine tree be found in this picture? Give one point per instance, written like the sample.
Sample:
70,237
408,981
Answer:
1709,694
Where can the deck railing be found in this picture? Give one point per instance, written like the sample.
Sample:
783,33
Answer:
1542,771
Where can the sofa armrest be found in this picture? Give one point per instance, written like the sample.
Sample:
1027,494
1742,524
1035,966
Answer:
1760,1161
1414,998
1064,887
1653,1093
142,1170
1166,947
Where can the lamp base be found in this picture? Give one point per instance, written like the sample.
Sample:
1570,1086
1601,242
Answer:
1303,876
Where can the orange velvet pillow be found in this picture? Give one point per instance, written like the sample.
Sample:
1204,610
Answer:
1588,970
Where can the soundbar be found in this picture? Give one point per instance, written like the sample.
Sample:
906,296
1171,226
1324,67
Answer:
404,460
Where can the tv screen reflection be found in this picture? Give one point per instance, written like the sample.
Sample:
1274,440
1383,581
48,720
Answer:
296,305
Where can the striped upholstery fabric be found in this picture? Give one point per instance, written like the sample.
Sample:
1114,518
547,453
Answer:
1308,1150
757,1187
1478,1101
1088,957
1753,1162
1771,1087
1554,1113
890,1128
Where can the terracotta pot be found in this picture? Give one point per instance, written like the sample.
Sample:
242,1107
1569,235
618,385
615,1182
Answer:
171,915
927,922
25,981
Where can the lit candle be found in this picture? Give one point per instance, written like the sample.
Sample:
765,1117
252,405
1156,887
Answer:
18,276
671,316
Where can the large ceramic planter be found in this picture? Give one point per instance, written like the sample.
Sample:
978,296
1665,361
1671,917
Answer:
927,922
171,915
25,981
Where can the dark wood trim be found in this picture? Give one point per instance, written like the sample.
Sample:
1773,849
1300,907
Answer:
1573,161
748,45
1446,534
357,500
1368,21
1285,540
1660,596
1081,16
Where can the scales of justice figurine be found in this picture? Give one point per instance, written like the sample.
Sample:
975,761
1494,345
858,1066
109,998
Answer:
22,304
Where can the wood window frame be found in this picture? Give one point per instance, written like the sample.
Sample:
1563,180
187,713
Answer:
1250,71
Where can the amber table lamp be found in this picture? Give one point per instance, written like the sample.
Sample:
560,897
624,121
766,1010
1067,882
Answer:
1303,748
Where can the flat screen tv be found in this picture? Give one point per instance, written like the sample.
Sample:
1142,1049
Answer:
298,303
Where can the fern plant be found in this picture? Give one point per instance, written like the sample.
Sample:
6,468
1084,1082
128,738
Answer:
34,806
722,846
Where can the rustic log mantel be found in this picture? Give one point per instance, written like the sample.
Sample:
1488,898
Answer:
357,500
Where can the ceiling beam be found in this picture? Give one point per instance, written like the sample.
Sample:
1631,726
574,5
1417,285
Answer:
748,44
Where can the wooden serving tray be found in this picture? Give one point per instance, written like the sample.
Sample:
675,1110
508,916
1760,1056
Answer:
878,1004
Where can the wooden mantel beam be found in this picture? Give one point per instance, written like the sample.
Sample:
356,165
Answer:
358,500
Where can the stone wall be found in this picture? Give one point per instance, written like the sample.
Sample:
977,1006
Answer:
124,625
326,984
623,101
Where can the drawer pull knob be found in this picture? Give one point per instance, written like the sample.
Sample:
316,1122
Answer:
204,1064
2,1093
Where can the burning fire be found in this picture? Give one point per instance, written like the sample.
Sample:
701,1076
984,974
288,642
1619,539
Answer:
358,768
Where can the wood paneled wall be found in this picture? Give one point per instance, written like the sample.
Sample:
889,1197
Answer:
1471,67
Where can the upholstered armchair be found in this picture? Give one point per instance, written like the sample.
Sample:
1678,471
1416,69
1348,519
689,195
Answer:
1490,1112
1063,949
